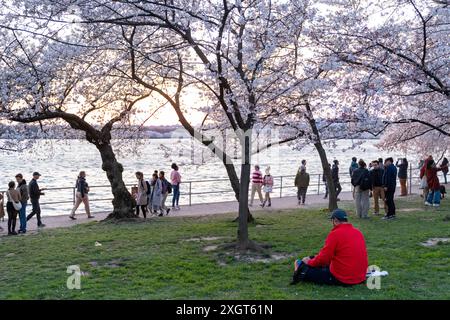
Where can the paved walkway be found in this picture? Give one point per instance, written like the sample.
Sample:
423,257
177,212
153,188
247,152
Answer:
194,210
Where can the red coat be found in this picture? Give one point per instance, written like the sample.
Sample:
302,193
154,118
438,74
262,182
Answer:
432,178
345,253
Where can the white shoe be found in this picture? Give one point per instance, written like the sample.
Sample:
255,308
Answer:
435,205
427,203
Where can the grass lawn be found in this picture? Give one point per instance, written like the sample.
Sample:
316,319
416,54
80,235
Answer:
166,259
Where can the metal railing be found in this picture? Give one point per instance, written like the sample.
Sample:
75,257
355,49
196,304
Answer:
283,186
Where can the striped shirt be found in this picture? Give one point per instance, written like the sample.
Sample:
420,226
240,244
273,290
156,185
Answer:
257,177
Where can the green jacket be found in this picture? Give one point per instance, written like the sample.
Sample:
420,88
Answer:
302,180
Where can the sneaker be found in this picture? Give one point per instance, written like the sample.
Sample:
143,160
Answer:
376,214
72,217
167,212
269,205
22,231
435,205
385,218
41,225
178,207
91,217
263,205
12,233
160,215
427,203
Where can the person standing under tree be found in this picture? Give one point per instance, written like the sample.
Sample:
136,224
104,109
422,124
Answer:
302,184
402,165
257,181
175,179
35,194
376,176
268,186
81,195
165,190
13,197
142,195
444,166
335,177
23,190
434,187
389,184
362,185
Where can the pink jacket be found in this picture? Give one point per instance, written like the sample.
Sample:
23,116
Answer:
175,177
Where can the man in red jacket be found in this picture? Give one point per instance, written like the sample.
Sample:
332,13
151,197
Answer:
342,260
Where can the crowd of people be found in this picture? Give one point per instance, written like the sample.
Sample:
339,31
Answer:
150,196
378,180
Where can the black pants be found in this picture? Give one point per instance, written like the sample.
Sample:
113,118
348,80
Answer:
12,217
321,275
390,202
338,187
144,210
36,210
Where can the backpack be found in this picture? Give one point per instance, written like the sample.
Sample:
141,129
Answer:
167,186
366,182
148,187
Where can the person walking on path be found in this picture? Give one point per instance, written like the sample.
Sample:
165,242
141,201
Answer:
343,260
362,185
353,167
165,190
2,210
335,177
257,181
402,165
157,195
302,184
24,197
376,176
152,183
81,196
389,184
142,195
444,166
268,186
434,193
175,180
35,194
13,197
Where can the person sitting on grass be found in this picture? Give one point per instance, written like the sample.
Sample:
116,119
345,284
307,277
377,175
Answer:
342,260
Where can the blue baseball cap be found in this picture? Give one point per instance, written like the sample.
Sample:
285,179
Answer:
339,214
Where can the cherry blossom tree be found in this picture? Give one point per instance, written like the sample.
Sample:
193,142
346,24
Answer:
47,80
401,48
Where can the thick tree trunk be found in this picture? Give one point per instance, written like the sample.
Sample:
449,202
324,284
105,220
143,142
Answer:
332,199
235,184
123,203
243,240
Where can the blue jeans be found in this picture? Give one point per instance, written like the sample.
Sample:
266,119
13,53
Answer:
23,217
176,195
434,197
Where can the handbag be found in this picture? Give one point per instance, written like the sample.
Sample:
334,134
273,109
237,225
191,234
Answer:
16,205
423,183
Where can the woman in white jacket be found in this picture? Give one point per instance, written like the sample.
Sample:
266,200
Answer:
141,197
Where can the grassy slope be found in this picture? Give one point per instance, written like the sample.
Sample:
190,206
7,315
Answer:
151,260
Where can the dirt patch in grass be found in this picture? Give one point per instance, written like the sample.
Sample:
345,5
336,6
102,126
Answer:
225,258
409,210
204,239
432,242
